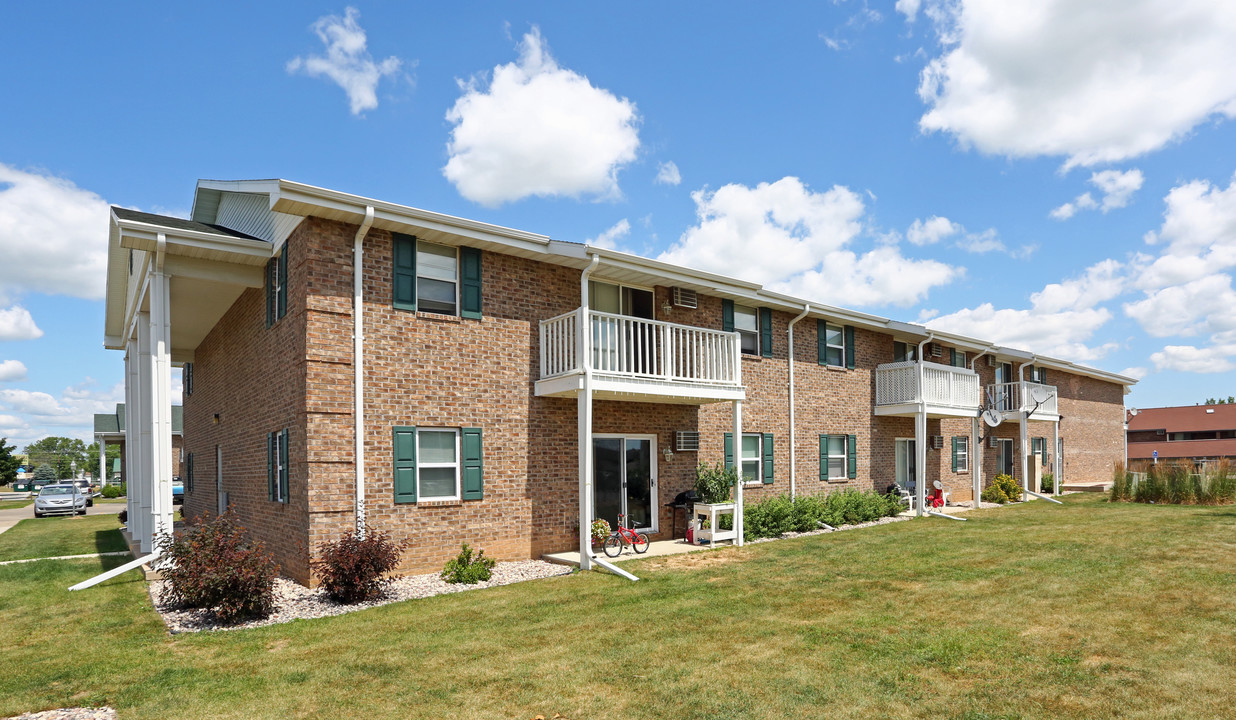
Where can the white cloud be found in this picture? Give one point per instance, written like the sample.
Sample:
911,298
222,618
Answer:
909,8
53,238
1205,305
667,174
1094,82
609,238
1100,282
16,324
30,415
932,230
1137,373
1062,334
1187,358
12,370
984,242
347,62
796,240
537,129
1117,188
1199,231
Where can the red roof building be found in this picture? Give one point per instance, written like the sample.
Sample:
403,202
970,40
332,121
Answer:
1198,433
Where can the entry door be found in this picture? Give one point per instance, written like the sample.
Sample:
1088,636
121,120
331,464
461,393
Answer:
1004,457
907,458
625,479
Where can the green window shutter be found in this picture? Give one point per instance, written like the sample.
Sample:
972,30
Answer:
405,464
187,378
823,457
470,283
766,335
189,473
821,332
849,347
768,458
270,293
729,451
955,454
404,262
281,301
727,316
851,447
1043,450
1043,375
283,466
899,351
952,357
473,477
270,466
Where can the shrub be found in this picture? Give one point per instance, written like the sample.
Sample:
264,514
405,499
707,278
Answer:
354,568
45,473
600,530
466,569
714,483
214,566
778,515
123,517
1009,487
1122,482
110,491
993,494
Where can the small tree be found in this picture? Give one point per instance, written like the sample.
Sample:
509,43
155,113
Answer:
45,474
8,462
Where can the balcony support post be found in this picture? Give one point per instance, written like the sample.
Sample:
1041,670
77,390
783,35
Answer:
976,462
1023,451
738,502
920,434
1055,457
584,413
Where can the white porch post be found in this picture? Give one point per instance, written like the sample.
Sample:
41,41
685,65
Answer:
976,461
1025,457
920,457
1055,458
131,442
160,408
141,419
100,480
738,503
585,475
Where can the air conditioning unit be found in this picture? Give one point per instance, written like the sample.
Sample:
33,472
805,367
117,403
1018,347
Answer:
936,350
991,361
993,441
687,441
685,297
937,442
1160,431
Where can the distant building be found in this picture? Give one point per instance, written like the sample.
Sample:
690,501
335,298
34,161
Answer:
1196,433
109,429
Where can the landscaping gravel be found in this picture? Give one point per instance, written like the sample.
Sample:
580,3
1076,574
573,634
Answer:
100,713
297,602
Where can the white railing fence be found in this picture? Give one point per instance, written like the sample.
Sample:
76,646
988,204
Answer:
1019,397
898,384
640,348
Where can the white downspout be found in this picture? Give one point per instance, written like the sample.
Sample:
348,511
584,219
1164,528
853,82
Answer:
584,415
920,436
1021,401
793,464
358,363
976,446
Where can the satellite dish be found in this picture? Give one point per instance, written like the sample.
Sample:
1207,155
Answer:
937,485
992,418
1040,394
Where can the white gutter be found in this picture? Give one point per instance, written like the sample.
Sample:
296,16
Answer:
584,416
358,363
793,465
976,446
1025,456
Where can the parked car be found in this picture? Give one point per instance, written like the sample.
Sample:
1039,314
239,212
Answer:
86,490
178,491
59,499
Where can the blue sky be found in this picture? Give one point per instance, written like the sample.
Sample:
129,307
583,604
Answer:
1053,175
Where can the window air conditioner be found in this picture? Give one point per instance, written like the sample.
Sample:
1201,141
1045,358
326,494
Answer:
991,361
993,441
937,442
685,297
936,350
687,440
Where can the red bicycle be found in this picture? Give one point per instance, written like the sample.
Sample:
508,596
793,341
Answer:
624,536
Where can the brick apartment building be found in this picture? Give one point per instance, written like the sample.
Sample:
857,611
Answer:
477,384
1198,434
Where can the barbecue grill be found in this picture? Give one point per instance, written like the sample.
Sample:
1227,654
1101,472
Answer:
683,501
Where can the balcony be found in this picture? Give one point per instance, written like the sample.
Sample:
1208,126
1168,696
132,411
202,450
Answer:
947,391
1015,398
640,360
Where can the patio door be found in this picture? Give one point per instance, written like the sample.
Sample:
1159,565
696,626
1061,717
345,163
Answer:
906,458
624,471
1004,457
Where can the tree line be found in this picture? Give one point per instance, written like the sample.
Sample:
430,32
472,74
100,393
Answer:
58,454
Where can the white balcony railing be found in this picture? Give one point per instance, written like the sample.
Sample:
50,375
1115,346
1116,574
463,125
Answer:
942,385
1017,397
640,349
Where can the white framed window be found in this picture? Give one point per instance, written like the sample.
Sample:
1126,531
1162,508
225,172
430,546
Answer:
437,278
747,324
834,345
437,464
838,455
904,352
961,454
752,456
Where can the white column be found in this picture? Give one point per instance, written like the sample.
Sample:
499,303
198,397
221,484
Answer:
976,461
101,480
1025,456
1055,458
920,459
160,418
738,502
130,439
140,418
585,476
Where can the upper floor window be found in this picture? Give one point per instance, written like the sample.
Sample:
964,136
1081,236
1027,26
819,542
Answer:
277,287
620,300
904,352
834,345
436,278
957,358
747,325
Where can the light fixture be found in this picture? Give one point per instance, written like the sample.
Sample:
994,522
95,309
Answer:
216,418
669,454
666,307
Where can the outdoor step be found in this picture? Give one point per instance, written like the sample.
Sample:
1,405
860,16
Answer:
1095,487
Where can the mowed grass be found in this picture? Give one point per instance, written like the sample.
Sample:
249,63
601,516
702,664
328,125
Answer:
14,504
60,535
1034,611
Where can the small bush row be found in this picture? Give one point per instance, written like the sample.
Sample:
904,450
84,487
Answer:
776,516
1175,483
1003,489
111,491
468,569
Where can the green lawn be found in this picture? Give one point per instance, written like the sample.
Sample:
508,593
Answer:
14,504
61,535
1036,611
